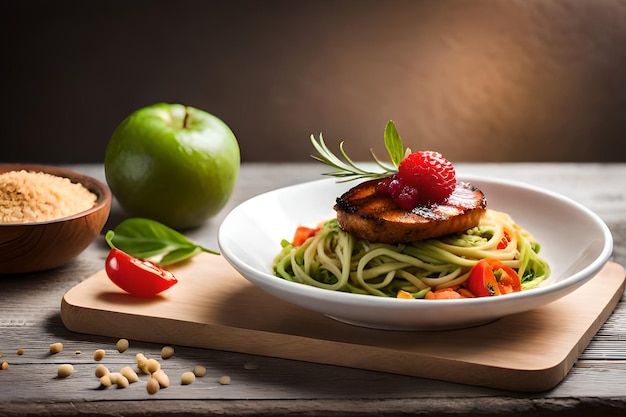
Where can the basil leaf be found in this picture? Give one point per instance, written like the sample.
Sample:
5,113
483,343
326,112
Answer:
393,143
144,238
139,247
178,255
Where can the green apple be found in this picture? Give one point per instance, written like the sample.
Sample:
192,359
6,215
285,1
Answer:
172,163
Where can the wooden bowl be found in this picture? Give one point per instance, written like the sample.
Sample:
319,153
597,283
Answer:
30,247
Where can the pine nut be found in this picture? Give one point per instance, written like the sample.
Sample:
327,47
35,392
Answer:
113,377
187,378
101,371
153,365
142,363
167,352
118,379
56,347
130,374
122,345
65,370
224,380
4,366
98,355
152,386
105,380
164,380
199,371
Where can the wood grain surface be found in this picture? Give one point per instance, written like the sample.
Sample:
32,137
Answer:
271,386
214,307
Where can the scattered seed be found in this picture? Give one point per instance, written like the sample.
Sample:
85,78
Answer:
187,378
98,355
56,348
113,377
130,374
105,380
20,351
118,379
164,380
145,365
153,365
199,371
152,386
224,380
122,345
142,363
77,352
101,371
65,370
167,352
122,382
4,366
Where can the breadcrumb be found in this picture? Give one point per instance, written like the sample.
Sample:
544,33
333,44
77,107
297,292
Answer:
30,197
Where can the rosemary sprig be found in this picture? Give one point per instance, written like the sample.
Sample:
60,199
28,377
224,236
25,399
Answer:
349,171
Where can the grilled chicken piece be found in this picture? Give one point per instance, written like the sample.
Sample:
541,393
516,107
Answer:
375,217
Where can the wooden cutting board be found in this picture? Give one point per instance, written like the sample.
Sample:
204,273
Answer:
214,307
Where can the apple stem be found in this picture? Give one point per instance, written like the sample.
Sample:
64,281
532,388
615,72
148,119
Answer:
185,119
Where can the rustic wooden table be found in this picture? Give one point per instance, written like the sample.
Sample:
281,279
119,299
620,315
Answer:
263,386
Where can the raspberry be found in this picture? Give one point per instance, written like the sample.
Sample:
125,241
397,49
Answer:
423,178
405,196
383,186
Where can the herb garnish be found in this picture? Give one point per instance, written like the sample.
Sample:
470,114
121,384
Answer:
146,239
349,170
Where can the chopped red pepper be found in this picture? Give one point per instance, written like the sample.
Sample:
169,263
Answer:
303,233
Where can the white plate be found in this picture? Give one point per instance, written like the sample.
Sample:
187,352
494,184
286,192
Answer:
574,240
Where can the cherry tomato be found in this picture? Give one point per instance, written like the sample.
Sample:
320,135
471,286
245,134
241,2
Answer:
490,277
138,277
508,280
482,282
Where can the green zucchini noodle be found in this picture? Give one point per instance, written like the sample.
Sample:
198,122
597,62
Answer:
335,260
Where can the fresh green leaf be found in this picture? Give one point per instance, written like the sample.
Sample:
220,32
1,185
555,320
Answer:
178,255
393,143
343,169
147,239
346,168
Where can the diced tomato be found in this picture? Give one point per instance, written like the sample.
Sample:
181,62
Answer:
303,233
443,294
504,242
466,293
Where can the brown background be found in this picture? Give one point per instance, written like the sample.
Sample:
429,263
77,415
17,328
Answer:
532,80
